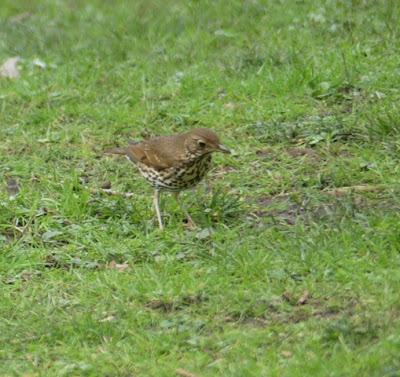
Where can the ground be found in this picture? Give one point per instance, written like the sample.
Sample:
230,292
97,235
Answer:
294,269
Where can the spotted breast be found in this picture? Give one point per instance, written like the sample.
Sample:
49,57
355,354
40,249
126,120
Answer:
177,178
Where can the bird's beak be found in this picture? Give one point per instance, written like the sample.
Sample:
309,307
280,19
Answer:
223,149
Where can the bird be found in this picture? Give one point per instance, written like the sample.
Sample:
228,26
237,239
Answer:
173,163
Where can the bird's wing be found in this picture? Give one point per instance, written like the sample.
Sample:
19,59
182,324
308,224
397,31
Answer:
157,153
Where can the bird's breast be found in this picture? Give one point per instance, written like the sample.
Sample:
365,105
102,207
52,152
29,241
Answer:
177,178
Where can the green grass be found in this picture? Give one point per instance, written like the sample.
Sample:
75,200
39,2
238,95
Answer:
283,278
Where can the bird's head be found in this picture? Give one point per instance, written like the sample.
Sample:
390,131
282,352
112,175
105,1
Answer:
202,141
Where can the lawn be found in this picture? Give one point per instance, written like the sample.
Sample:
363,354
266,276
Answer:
294,269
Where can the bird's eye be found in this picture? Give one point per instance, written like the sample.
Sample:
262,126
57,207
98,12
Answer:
201,144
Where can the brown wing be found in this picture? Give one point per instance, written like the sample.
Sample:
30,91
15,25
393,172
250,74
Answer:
159,153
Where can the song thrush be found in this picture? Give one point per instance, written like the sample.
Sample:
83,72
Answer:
174,163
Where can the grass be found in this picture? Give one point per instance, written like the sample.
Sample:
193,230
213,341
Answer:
283,277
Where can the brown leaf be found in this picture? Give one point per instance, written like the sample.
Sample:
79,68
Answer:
229,105
113,265
304,298
287,296
109,318
35,178
106,185
9,68
286,354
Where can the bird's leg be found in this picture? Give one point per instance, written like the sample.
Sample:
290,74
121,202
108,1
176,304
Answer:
191,224
207,186
156,200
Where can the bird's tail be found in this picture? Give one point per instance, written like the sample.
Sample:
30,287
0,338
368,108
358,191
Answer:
122,151
115,151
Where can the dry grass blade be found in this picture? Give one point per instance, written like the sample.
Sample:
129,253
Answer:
113,265
340,191
184,373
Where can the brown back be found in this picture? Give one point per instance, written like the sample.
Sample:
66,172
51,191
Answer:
160,153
